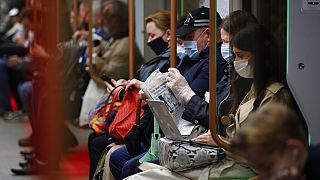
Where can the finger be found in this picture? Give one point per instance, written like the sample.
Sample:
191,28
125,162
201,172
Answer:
199,139
169,79
109,87
114,82
171,74
174,71
129,85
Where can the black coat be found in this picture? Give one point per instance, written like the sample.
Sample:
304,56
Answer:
161,62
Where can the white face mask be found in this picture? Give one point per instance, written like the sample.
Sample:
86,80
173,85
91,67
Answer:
243,68
226,52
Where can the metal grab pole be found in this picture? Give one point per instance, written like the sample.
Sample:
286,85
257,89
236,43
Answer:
173,40
212,79
131,38
90,50
92,70
75,12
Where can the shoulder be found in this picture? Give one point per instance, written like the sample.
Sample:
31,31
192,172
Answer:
277,92
275,87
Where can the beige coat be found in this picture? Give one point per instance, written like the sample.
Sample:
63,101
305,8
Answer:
115,59
227,168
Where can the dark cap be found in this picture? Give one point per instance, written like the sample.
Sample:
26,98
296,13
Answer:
197,18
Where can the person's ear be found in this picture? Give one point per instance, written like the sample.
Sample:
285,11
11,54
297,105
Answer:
297,153
207,34
168,35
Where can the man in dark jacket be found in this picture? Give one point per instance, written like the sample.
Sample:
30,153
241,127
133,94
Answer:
196,34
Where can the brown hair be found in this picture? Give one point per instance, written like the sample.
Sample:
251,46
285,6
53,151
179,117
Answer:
237,20
161,20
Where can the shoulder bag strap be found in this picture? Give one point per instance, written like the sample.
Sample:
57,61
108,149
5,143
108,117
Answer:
105,117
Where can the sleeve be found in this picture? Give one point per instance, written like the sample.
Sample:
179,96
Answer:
114,61
197,111
200,84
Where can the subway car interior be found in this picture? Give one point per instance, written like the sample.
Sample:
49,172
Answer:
159,89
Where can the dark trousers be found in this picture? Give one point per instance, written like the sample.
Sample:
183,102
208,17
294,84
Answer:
4,88
96,146
122,164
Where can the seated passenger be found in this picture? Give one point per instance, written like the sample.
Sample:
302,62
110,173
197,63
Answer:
196,73
256,58
112,57
275,143
158,29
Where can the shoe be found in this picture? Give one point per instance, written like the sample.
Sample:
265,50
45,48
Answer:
27,153
8,116
29,162
26,142
34,168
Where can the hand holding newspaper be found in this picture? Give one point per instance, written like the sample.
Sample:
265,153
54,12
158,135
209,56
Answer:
155,88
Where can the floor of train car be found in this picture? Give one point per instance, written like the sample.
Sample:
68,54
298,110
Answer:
75,164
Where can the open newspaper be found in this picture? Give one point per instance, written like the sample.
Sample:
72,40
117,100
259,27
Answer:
156,89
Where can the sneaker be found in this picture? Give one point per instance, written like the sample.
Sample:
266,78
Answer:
17,116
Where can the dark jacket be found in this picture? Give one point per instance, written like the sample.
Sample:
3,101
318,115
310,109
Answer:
161,62
196,71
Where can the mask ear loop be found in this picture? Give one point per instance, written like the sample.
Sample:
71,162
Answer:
201,35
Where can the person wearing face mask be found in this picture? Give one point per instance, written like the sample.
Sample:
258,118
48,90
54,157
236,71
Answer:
256,53
195,34
158,30
238,86
196,73
276,145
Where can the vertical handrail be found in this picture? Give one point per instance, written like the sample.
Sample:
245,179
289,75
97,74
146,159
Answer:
212,79
131,38
90,48
173,30
75,12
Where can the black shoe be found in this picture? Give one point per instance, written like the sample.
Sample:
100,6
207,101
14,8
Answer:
27,153
34,168
26,142
29,162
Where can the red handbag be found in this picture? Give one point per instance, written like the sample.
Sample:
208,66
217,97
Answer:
127,116
102,118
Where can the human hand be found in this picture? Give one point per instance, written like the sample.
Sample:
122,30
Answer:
178,84
115,83
13,61
80,35
142,95
205,138
134,83
38,52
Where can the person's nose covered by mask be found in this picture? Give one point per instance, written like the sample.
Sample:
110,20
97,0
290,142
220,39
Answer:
244,68
191,48
226,52
158,45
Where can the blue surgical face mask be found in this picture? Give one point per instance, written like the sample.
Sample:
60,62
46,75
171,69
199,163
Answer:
181,52
191,48
158,45
226,52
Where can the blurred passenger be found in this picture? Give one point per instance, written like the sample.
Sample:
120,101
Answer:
275,143
16,24
111,57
